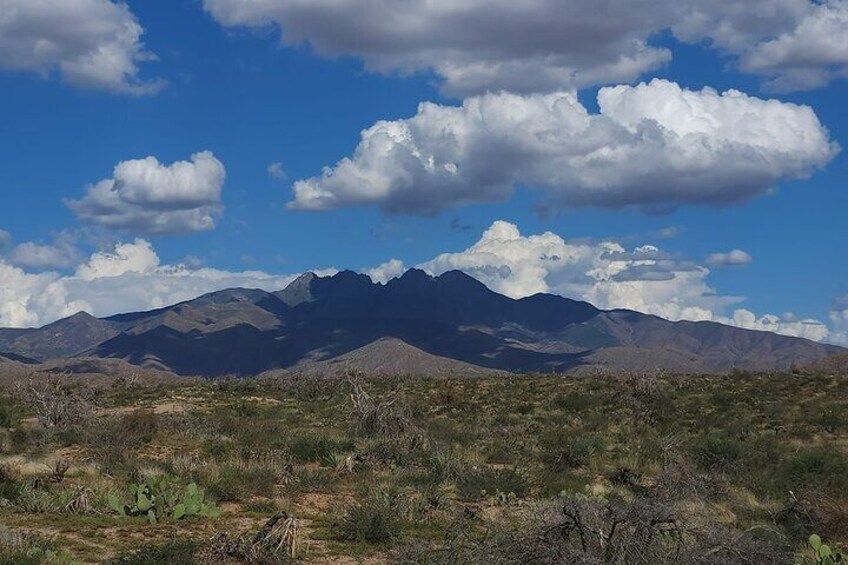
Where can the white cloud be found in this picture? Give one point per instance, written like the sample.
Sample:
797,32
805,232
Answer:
655,146
839,321
386,272
733,258
474,45
786,325
137,257
644,279
92,43
128,278
61,254
477,46
276,171
603,273
23,295
5,239
810,55
147,197
670,232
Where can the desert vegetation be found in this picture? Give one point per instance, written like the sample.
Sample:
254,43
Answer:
659,469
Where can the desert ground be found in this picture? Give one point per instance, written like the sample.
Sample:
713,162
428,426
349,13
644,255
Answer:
742,468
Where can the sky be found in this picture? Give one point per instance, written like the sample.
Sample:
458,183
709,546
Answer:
679,158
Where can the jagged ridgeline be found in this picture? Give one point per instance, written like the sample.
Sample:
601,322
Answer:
413,324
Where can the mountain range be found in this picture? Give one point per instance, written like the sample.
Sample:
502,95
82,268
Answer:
413,324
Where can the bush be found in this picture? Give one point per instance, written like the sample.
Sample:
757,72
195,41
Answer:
572,402
178,552
479,483
9,414
584,530
10,488
388,418
117,442
564,450
375,520
57,406
26,549
238,481
820,468
139,426
316,448
716,452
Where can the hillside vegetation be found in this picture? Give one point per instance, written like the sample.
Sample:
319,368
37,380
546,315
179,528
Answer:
535,469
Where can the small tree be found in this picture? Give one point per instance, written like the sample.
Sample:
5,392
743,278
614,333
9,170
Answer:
57,407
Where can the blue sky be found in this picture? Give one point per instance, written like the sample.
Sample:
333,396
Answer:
223,81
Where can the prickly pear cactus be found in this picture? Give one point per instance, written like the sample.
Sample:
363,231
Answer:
156,499
824,554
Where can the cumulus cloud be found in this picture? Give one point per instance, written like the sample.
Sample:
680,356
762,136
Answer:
786,325
473,46
604,273
23,295
547,45
655,146
386,272
129,277
145,196
809,55
60,254
732,258
608,275
92,43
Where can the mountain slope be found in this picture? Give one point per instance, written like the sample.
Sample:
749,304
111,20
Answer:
412,323
389,356
60,339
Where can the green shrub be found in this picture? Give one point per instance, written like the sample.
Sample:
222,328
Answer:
219,448
828,417
477,484
398,451
315,480
35,498
26,549
715,451
314,448
139,426
557,483
819,468
117,442
239,481
9,414
10,487
450,431
176,552
375,520
572,402
443,465
563,449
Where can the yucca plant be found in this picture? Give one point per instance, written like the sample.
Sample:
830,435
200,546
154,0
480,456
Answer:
340,462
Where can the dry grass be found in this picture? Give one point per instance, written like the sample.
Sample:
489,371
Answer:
486,470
